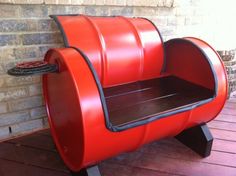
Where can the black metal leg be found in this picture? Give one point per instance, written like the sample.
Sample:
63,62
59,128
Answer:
90,171
198,138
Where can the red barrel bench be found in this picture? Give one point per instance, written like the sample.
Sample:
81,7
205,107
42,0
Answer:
117,86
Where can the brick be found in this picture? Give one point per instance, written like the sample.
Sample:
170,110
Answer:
25,80
232,77
30,11
1,72
77,2
175,21
38,112
102,11
89,2
229,60
35,89
193,20
6,53
184,11
90,10
164,11
97,10
12,93
3,108
231,70
65,2
7,64
5,1
44,49
6,11
125,11
9,40
145,11
4,132
227,55
25,52
75,9
36,1
159,21
149,3
41,38
32,125
167,30
47,25
50,1
17,25
20,1
25,103
58,9
230,63
165,3
14,117
100,2
115,2
183,3
2,81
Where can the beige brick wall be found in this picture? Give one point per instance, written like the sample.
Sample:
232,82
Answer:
26,33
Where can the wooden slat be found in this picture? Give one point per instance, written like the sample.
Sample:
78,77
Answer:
114,169
232,100
184,153
114,103
153,107
37,141
175,166
226,118
140,100
224,146
218,145
229,105
228,126
11,168
132,87
229,112
32,156
224,135
45,132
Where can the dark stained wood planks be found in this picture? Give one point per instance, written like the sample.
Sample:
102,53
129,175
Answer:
12,168
43,142
139,100
31,156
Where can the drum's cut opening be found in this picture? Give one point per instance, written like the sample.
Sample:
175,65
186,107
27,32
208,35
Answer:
156,97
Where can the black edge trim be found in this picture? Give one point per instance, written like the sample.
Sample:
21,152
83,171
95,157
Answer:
103,101
204,54
162,41
151,119
99,86
54,17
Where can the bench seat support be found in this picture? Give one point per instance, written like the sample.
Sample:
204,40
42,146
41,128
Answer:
89,171
198,138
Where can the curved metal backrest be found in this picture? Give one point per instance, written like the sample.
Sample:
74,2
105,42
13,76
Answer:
121,49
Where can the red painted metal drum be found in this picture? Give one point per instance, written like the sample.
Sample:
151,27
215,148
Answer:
103,52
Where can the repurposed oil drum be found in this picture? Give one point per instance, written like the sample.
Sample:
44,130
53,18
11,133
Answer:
103,53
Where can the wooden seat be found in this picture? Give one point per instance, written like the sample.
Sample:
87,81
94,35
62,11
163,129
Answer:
140,100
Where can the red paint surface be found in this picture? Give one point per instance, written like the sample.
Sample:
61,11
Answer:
130,45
